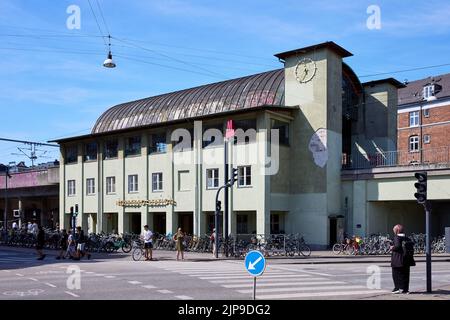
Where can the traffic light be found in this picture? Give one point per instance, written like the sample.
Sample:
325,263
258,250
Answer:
421,186
234,175
71,211
218,206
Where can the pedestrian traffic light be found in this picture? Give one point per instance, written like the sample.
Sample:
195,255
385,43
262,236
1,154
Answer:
421,186
234,175
218,206
76,210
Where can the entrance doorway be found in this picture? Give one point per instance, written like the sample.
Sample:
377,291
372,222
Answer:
159,222
186,222
135,223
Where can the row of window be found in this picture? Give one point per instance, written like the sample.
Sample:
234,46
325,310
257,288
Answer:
414,119
414,144
212,182
158,142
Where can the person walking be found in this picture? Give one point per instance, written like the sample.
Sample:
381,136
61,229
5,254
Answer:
62,244
71,246
148,243
40,243
80,239
401,260
179,238
213,241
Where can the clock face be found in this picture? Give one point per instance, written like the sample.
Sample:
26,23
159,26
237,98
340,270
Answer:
305,70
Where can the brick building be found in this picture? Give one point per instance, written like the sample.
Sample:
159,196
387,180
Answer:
424,120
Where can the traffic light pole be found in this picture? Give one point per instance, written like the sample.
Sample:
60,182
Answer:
216,220
225,206
427,207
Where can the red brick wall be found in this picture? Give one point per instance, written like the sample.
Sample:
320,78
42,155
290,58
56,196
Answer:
440,134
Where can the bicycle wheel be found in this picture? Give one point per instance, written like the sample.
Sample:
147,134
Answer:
337,248
137,254
126,247
109,247
304,250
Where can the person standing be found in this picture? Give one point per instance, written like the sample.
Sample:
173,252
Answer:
148,243
40,243
30,227
71,246
34,228
63,241
401,260
15,226
179,239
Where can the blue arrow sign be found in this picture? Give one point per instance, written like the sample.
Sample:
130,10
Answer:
255,263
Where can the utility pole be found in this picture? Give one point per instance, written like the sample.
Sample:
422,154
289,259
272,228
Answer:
5,213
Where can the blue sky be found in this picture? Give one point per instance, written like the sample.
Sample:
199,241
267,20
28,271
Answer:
52,83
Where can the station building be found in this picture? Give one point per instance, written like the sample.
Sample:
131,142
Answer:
130,171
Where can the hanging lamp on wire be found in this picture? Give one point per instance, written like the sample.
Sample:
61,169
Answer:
109,62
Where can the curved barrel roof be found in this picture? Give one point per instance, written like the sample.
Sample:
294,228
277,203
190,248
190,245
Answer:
263,89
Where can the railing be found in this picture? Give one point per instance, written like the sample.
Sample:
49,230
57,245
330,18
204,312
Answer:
439,156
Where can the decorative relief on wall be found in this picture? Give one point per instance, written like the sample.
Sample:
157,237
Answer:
151,203
318,147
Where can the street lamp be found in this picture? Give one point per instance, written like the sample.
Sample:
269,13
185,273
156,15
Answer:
5,214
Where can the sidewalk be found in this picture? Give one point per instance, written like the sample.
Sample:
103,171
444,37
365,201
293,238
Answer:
438,293
317,257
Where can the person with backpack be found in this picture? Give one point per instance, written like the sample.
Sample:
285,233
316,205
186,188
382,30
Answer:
401,260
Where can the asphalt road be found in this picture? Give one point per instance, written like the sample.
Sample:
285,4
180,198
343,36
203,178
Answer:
118,277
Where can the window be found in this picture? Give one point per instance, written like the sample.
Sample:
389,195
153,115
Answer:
414,119
183,181
242,135
90,187
275,224
158,143
111,149
212,178
244,176
90,151
133,185
426,113
71,188
283,131
414,143
71,154
428,91
426,138
110,185
157,181
133,146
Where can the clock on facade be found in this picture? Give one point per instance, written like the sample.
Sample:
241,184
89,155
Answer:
305,70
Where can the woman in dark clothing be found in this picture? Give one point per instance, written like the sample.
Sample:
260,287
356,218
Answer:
400,262
40,243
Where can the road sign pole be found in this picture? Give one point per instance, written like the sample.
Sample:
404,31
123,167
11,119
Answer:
428,245
254,288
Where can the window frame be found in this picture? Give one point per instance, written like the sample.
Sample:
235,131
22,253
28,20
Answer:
153,148
111,185
71,188
90,188
133,181
426,113
413,143
132,152
213,178
414,115
85,155
158,182
244,173
74,147
428,91
105,148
